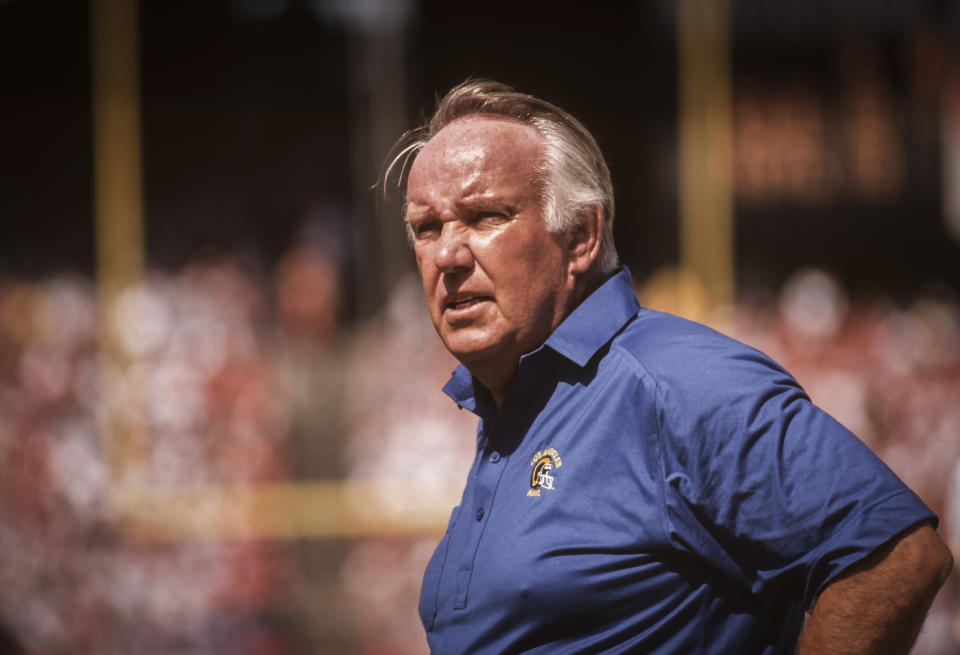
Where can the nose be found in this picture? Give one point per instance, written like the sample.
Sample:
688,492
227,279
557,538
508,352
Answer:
453,252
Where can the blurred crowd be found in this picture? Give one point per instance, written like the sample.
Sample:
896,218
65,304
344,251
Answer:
890,373
224,374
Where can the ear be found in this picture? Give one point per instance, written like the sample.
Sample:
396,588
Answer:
583,241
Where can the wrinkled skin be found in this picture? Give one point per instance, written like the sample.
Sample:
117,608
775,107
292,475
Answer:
497,282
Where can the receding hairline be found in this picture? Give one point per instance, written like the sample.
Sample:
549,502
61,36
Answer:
539,169
487,115
573,176
491,117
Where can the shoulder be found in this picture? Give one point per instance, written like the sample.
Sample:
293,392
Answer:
681,355
651,331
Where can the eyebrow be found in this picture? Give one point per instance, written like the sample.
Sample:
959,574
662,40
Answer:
421,211
417,211
487,203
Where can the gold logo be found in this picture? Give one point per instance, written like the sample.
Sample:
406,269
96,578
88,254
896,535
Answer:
544,463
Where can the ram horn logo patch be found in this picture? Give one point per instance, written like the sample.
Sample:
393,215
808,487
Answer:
544,463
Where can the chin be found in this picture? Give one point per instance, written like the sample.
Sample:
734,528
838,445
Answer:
469,350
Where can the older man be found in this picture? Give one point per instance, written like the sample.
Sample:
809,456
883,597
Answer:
642,483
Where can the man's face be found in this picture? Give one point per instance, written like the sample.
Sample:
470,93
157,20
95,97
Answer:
496,281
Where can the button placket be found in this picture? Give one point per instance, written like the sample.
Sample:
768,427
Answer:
487,479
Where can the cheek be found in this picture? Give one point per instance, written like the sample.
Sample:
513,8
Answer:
538,286
524,289
426,271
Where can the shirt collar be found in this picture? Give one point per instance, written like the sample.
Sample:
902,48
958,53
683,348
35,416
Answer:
578,338
596,320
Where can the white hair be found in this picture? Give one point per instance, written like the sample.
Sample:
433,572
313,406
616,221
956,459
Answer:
574,178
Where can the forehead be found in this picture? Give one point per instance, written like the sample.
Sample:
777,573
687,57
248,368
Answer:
473,153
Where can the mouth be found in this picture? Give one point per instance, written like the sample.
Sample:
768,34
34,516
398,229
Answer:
464,302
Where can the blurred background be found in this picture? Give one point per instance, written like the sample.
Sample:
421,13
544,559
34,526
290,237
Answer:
221,429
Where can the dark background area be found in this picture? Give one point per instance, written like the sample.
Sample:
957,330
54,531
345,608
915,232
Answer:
238,363
247,123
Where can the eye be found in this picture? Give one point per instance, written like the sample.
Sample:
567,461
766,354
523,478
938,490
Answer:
488,219
427,229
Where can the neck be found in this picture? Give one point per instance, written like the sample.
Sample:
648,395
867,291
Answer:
496,382
496,377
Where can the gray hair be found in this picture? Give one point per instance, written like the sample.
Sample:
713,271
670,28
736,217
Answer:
574,178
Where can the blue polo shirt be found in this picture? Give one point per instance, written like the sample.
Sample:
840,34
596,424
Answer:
650,486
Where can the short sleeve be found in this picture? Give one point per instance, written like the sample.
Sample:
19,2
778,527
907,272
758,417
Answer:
760,481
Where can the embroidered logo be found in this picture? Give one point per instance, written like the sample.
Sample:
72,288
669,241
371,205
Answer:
544,463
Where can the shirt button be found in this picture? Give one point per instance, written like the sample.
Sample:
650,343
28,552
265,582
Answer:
480,514
494,457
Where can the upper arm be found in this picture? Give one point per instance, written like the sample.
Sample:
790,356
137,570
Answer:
766,484
914,563
878,605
